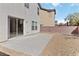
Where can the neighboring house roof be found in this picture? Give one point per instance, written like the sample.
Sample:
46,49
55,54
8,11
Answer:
48,10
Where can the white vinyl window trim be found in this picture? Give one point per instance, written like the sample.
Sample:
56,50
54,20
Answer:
34,25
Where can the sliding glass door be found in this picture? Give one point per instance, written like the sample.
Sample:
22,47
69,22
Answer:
15,26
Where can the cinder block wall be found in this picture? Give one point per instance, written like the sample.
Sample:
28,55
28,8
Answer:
60,29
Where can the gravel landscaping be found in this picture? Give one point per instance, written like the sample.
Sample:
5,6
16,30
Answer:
62,45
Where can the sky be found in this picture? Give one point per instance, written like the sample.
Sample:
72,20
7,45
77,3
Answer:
62,9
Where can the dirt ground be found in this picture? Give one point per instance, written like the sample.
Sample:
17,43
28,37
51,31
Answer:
3,54
62,45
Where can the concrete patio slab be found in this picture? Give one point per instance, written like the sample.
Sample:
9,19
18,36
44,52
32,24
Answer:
32,44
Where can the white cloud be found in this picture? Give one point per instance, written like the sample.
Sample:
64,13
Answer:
55,4
61,21
70,4
74,4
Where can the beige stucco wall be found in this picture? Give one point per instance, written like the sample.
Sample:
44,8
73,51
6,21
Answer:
47,18
20,11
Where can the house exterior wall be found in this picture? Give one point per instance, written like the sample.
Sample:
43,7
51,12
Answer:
18,10
47,18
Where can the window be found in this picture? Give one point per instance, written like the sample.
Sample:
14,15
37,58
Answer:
38,11
34,25
15,26
26,5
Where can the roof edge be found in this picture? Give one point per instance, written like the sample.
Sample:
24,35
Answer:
48,10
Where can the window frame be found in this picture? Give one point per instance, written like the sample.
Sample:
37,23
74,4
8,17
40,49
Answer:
37,10
34,25
26,5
